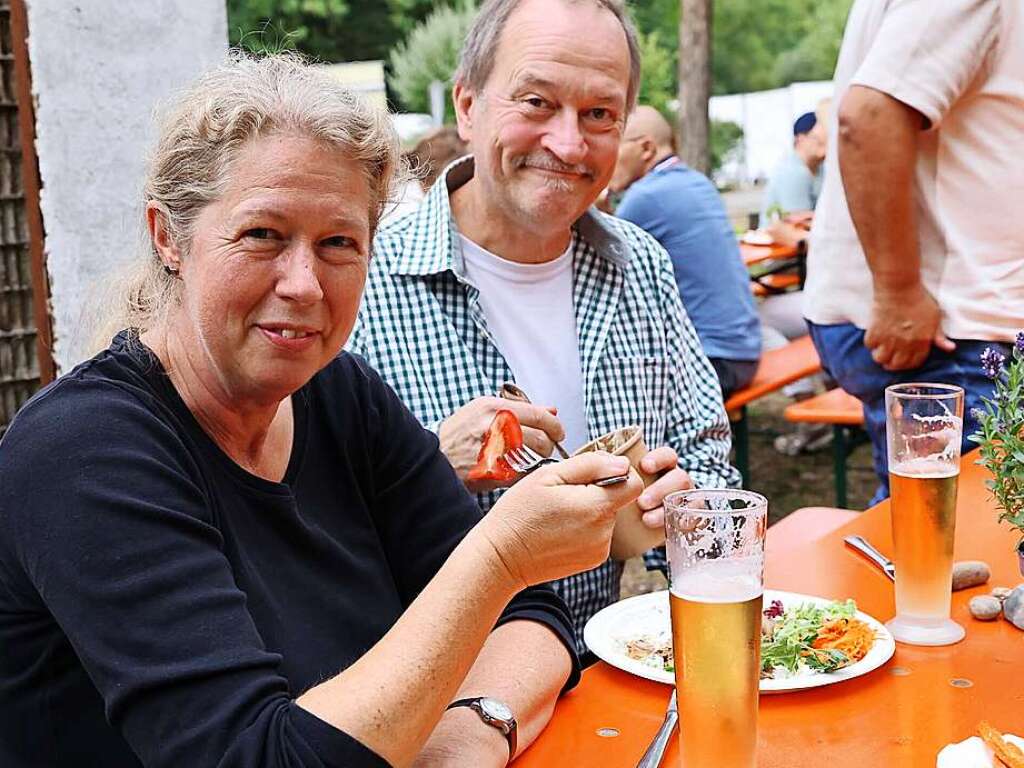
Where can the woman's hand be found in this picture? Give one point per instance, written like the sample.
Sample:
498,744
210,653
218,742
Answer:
554,522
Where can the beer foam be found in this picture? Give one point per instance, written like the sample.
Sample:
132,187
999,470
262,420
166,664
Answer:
925,468
733,580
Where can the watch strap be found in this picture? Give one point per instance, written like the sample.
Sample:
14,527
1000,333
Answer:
507,727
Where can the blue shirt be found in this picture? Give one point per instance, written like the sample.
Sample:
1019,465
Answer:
792,187
682,210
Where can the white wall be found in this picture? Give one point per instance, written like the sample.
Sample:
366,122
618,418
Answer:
767,121
98,70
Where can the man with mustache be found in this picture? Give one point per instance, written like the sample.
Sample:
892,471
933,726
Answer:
506,273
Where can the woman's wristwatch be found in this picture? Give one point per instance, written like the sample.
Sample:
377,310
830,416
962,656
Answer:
495,713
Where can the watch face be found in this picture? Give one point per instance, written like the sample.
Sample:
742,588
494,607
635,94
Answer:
496,709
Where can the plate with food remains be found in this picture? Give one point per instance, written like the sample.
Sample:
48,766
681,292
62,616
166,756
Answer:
806,641
757,237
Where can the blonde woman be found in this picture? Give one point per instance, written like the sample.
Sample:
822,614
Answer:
223,544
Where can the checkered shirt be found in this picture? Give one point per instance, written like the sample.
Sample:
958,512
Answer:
421,326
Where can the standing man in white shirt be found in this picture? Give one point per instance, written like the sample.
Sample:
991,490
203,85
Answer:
917,254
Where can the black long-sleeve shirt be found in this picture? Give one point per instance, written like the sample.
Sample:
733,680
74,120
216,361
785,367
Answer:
160,605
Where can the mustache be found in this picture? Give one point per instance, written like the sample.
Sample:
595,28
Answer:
546,162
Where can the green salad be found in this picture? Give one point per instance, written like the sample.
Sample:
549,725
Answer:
787,637
803,638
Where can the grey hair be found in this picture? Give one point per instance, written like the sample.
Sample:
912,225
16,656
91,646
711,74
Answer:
480,48
202,133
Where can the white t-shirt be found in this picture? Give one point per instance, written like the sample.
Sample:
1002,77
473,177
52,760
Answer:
961,64
531,317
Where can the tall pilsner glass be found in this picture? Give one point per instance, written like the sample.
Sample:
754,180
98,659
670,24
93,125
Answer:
715,541
924,426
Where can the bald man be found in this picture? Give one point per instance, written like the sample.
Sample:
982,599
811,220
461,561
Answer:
682,210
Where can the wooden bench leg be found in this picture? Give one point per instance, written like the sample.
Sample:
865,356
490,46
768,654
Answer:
741,442
840,452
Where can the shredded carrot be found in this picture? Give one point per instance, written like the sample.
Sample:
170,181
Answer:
852,637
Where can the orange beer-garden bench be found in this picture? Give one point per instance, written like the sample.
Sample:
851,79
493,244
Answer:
775,268
778,367
846,415
771,284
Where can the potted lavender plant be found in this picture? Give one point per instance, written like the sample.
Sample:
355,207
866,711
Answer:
1001,435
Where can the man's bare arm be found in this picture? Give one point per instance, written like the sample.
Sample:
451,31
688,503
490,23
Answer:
878,138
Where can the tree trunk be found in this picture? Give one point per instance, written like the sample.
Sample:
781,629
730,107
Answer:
694,82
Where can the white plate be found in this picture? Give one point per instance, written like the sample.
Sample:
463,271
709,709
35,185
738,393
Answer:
757,237
607,632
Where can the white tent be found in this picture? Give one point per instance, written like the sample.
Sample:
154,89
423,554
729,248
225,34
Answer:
767,121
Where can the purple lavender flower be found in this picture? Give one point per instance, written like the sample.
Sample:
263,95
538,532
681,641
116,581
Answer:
1019,344
992,362
977,414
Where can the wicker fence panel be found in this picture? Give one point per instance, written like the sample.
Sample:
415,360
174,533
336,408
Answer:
19,370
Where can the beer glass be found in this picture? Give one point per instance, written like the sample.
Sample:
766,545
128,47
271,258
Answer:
715,543
924,427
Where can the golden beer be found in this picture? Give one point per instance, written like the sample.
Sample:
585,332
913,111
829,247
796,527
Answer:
923,509
717,649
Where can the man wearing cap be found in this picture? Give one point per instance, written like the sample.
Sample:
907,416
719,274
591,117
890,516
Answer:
796,181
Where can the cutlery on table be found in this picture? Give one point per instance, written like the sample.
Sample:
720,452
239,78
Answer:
524,460
654,754
510,391
865,547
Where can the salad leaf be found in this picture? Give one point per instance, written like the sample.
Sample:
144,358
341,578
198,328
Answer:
790,644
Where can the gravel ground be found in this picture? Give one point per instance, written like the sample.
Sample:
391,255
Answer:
788,482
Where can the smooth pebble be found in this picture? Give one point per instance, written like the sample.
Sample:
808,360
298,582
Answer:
985,607
1013,607
970,573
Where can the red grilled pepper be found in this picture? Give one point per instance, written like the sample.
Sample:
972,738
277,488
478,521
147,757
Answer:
504,433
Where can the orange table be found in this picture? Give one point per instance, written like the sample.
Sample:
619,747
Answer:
754,254
896,717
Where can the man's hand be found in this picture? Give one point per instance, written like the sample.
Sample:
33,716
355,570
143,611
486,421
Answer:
903,327
460,434
784,233
878,145
665,460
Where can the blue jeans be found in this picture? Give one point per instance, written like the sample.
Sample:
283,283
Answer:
845,358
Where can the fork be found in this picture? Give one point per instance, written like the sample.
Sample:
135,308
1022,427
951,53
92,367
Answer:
524,460
510,391
654,754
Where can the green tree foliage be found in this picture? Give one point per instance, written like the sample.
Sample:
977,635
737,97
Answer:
431,52
406,14
725,135
661,15
329,30
748,36
310,26
814,57
757,44
657,72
